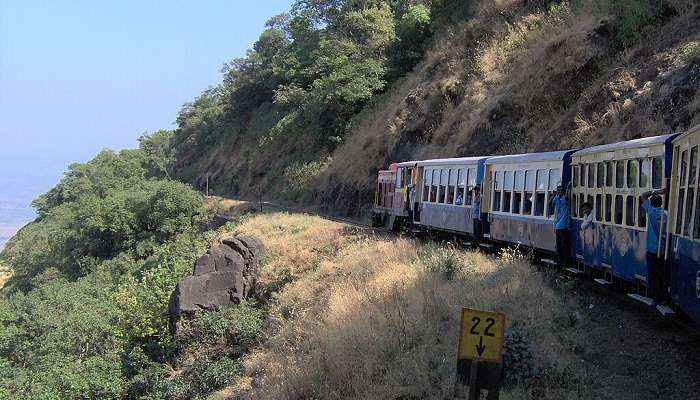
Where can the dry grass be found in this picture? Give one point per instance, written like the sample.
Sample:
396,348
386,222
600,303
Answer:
370,317
5,275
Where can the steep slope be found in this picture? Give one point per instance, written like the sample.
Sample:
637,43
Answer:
490,77
548,81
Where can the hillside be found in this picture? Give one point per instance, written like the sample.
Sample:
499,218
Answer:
334,91
359,315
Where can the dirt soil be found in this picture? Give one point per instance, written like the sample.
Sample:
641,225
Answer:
631,351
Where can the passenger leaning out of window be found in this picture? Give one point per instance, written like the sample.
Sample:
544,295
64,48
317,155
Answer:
476,215
655,266
587,210
560,203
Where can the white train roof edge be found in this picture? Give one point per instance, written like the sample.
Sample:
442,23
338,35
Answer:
627,144
442,161
529,157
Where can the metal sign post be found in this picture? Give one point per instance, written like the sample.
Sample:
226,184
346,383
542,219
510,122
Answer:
480,352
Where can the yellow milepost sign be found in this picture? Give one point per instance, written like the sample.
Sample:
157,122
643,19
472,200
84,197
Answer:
481,335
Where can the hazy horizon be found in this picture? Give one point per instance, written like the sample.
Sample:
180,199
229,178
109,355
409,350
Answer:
78,77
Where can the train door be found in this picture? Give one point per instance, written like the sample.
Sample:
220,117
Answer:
684,224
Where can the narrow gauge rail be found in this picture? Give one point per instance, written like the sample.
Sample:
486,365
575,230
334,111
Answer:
437,197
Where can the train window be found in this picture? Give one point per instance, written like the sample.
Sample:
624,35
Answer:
554,181
444,175
693,165
574,206
629,210
461,187
683,166
518,193
679,210
434,185
468,195
591,175
472,177
507,190
696,221
529,190
581,200
631,173
601,175
427,179
451,186
584,174
656,172
576,176
608,173
618,209
619,174
641,213
540,193
598,207
643,173
688,211
497,184
608,208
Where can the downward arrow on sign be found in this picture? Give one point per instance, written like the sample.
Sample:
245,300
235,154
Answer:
480,347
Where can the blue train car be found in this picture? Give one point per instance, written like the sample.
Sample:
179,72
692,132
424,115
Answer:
518,190
683,250
446,192
612,178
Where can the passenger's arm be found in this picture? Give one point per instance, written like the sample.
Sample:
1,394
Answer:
650,193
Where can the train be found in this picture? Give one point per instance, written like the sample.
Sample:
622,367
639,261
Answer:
436,197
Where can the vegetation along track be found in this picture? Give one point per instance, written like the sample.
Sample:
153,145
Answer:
235,207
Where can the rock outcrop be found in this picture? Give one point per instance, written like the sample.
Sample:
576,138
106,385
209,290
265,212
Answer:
225,275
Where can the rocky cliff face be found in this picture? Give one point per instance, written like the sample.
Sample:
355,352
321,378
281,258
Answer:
225,275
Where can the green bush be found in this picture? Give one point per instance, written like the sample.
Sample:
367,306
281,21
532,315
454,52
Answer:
299,176
442,260
518,360
635,15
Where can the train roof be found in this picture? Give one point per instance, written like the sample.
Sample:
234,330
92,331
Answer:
690,131
627,144
529,157
443,161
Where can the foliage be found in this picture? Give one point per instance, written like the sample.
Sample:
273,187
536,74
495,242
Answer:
635,15
299,175
309,72
444,261
85,313
518,359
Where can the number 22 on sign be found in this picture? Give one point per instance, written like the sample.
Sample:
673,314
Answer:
481,335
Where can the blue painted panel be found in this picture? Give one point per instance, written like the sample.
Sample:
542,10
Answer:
628,252
621,248
685,275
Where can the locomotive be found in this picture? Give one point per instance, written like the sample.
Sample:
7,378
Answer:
437,197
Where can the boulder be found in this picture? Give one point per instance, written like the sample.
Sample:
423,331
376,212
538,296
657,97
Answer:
219,258
224,275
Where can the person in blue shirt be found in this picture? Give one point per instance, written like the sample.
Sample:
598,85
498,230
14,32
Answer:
560,203
655,267
476,215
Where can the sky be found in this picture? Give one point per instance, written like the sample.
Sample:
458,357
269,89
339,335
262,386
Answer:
79,76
